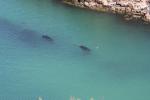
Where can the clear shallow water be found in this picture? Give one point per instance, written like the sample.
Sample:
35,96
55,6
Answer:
118,68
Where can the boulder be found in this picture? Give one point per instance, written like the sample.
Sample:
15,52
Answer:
147,17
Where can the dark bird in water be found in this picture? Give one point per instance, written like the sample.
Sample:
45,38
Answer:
48,38
84,48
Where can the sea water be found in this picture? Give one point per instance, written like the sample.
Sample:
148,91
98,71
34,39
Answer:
117,68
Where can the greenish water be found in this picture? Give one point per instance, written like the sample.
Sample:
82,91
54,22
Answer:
118,67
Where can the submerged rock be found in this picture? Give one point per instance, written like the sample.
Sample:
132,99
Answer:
137,9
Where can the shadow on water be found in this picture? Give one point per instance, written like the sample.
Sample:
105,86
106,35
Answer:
26,36
34,39
8,30
29,37
7,25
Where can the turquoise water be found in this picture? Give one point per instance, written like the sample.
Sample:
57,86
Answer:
118,67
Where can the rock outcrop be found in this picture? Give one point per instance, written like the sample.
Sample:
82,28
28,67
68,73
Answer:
131,9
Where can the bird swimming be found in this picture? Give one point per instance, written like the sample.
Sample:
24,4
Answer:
84,48
48,38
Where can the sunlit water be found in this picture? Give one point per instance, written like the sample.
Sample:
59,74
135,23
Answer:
117,68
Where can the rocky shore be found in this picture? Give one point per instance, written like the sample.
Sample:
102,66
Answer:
131,9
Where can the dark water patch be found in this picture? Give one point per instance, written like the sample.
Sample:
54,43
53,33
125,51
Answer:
29,37
8,30
12,32
8,25
34,39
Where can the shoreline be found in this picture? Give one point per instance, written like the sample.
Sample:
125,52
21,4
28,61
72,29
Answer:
130,9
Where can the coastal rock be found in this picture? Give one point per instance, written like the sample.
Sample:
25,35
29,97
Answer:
136,16
113,9
86,4
120,10
128,10
128,17
134,9
146,17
